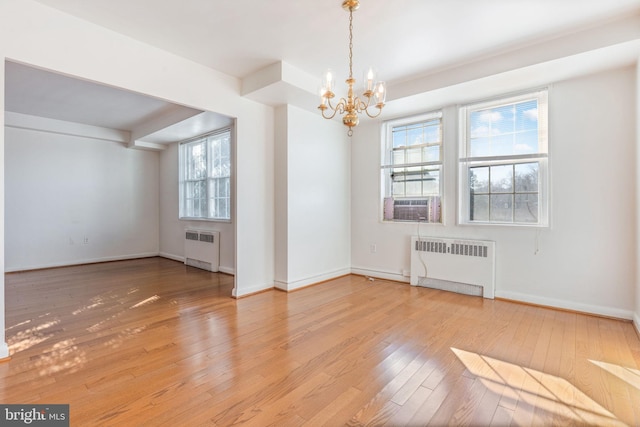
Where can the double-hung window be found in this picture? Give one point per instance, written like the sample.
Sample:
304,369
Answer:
503,161
411,169
205,176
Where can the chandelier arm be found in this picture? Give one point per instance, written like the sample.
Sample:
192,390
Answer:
337,109
361,105
329,116
379,107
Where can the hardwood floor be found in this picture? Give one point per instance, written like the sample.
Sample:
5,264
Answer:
152,342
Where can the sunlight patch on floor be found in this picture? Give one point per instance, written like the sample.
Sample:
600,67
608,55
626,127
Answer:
63,355
128,333
17,325
146,301
30,337
87,307
629,375
548,392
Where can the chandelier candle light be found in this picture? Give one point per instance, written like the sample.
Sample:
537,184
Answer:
351,106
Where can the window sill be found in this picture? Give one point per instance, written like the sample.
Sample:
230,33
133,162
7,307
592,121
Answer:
501,224
228,221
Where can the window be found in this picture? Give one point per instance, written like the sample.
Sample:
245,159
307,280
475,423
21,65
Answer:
411,169
205,176
503,161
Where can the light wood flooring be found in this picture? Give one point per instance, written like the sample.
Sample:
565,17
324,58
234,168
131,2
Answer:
152,342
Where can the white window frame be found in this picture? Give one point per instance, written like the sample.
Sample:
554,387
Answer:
212,177
466,162
387,165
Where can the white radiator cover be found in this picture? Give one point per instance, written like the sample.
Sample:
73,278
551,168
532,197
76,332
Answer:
457,265
202,249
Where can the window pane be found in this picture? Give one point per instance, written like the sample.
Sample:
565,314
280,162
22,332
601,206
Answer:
526,208
399,138
502,145
398,189
527,115
526,142
414,135
432,133
505,130
526,178
502,120
196,161
414,188
431,154
431,182
226,188
414,155
502,179
480,147
479,179
479,208
398,157
195,190
501,207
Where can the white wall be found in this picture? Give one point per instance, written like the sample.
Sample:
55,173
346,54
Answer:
4,349
313,235
172,229
636,317
586,260
72,200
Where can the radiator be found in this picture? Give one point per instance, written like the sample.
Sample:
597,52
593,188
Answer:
457,265
202,249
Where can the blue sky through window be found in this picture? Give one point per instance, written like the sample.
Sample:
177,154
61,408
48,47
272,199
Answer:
505,130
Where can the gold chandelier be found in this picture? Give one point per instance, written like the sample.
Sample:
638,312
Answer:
352,106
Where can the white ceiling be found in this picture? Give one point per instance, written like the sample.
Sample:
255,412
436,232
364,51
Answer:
45,94
401,38
405,40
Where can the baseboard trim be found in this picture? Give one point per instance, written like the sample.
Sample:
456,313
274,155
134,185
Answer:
309,281
611,312
171,256
636,323
253,290
386,275
81,262
227,270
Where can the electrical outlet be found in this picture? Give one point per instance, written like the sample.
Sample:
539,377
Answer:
373,248
86,240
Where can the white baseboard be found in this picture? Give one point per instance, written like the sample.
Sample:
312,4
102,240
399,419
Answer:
566,305
253,289
80,262
636,322
227,270
387,275
301,283
171,256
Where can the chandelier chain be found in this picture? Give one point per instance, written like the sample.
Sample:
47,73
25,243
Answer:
350,43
